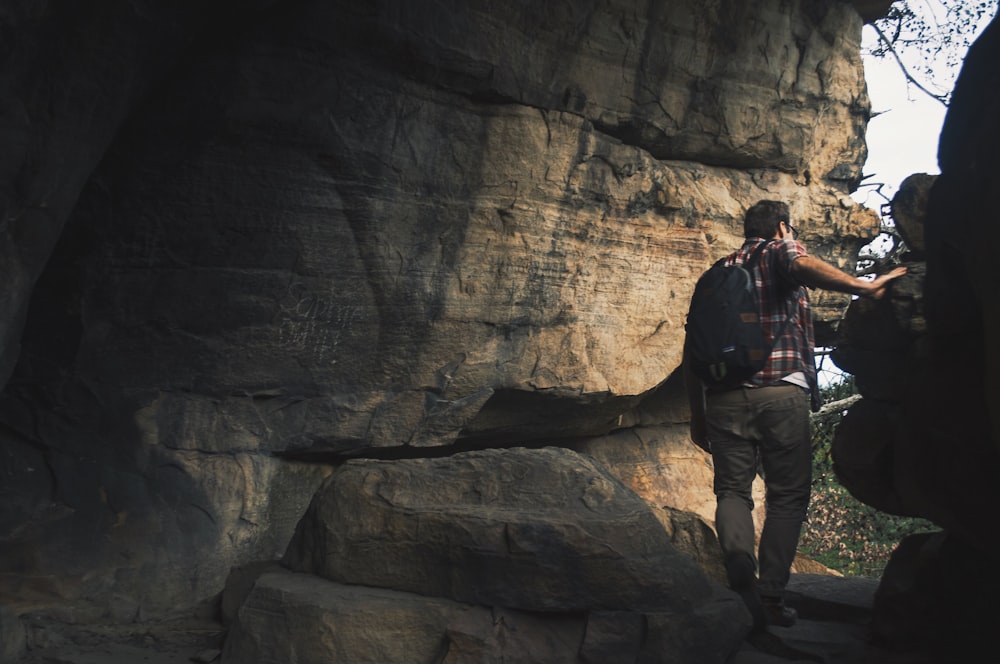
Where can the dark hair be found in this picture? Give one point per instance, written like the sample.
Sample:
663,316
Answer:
763,217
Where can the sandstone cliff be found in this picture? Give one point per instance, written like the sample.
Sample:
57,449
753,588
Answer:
244,244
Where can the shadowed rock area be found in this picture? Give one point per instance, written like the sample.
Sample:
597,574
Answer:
923,441
312,281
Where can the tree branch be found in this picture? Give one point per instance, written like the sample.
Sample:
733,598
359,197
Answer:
835,407
942,99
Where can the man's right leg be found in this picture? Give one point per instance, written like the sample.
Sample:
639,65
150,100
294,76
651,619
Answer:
787,459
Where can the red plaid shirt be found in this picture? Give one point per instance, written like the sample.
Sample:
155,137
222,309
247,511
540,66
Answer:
781,296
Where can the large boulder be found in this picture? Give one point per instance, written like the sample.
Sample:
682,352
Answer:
299,617
537,530
532,555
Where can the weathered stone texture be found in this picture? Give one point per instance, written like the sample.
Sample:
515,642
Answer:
537,530
496,555
909,206
298,617
238,235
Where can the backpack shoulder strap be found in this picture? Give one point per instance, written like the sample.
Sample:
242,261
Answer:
754,258
751,260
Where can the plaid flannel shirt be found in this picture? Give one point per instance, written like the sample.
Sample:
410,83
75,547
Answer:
781,295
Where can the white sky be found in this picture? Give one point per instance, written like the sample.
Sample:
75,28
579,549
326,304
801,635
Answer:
903,136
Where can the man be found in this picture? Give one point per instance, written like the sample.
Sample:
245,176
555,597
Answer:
767,417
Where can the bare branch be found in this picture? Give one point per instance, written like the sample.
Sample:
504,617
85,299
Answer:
835,408
942,99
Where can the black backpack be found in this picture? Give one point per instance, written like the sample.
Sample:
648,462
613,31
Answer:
725,343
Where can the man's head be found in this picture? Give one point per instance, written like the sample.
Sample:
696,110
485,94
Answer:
763,218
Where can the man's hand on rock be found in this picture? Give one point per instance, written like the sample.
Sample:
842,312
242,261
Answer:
877,287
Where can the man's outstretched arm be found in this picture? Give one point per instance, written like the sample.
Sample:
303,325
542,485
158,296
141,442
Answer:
816,273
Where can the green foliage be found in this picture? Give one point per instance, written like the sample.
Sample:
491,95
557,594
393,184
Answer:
841,532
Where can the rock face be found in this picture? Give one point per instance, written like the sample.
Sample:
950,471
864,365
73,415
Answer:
549,539
925,440
244,242
542,530
313,620
909,206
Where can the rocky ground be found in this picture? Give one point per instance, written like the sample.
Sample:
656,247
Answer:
834,613
832,629
176,643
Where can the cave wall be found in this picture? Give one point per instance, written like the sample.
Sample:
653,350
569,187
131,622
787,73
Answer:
241,242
